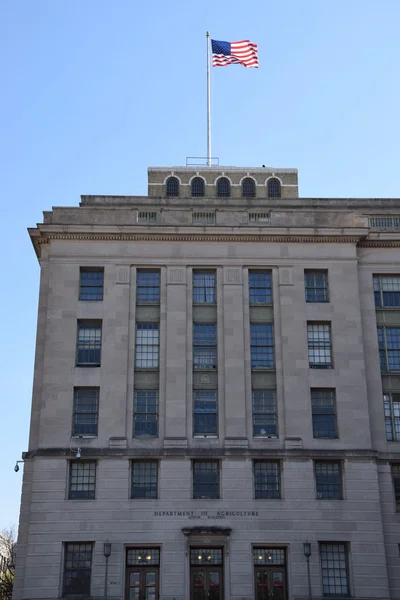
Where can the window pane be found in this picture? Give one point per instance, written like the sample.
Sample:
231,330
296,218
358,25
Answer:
172,187
387,290
147,340
85,417
334,569
396,484
319,345
274,188
266,479
146,413
223,188
316,286
260,287
77,569
328,480
205,479
205,412
148,287
323,413
264,413
262,346
197,187
91,284
144,479
248,188
82,481
204,346
89,344
204,287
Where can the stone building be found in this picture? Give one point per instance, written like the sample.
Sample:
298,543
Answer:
216,401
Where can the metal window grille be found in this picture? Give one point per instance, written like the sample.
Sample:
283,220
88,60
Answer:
396,484
223,188
144,479
319,345
328,478
172,187
334,568
386,290
147,287
89,344
86,410
204,287
91,284
146,413
197,187
142,557
205,556
389,348
264,413
248,188
147,216
323,413
316,286
266,479
274,188
391,404
77,569
203,218
260,218
260,287
147,345
269,556
384,222
82,479
204,346
205,479
205,412
262,345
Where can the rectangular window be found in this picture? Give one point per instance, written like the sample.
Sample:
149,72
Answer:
316,286
323,413
396,484
82,479
89,344
204,346
203,218
384,222
91,284
387,290
86,411
319,345
204,287
147,343
144,479
147,287
147,216
266,479
262,345
328,479
260,287
205,479
77,569
205,412
389,348
264,413
146,413
334,569
391,404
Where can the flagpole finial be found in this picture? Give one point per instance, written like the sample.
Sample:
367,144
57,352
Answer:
207,33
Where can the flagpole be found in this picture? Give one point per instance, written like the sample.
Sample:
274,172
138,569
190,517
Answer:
208,103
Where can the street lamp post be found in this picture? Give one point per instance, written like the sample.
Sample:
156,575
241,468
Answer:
307,554
107,553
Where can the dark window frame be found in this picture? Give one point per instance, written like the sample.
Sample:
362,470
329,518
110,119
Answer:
148,490
328,483
146,351
77,562
172,187
205,415
395,473
197,187
334,568
204,346
144,418
85,407
223,187
204,283
316,286
318,346
262,346
264,412
267,481
273,188
87,347
148,286
248,188
260,289
82,473
391,406
386,298
91,290
389,352
198,485
323,412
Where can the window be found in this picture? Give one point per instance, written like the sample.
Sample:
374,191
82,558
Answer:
384,222
86,409
203,287
91,284
391,404
266,479
328,478
389,348
148,287
260,287
262,346
264,413
172,187
197,187
396,484
319,345
386,291
205,479
207,556
248,188
147,345
89,344
223,188
204,346
134,557
205,412
203,218
334,568
77,569
323,413
262,218
144,479
82,479
316,286
269,556
147,216
146,413
274,188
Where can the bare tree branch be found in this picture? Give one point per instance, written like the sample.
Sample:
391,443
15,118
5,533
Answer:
8,548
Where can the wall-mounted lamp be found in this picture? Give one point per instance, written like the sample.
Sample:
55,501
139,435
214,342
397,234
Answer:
107,554
307,554
107,549
77,452
307,549
16,468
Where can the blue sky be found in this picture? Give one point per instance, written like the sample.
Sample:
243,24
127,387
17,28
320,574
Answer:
95,91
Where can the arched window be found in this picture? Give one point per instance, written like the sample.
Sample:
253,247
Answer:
172,187
248,188
223,188
274,188
197,186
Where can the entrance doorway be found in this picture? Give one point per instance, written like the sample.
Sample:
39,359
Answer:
142,574
206,574
270,573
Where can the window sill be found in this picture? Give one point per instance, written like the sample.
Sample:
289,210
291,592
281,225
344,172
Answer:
321,367
88,365
77,436
148,304
202,436
265,437
325,437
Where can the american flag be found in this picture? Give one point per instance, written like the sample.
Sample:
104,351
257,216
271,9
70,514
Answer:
230,53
